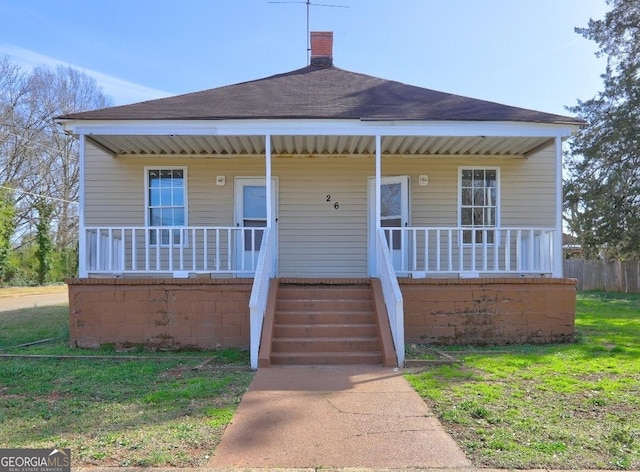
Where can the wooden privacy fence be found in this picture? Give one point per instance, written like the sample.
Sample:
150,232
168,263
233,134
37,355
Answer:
604,275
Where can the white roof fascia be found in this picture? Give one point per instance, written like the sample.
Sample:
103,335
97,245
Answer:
139,128
317,127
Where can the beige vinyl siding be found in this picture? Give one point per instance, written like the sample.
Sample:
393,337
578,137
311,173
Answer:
113,194
115,187
527,188
436,203
115,197
527,199
316,239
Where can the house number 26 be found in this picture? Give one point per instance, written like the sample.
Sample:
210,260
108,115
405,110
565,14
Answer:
336,205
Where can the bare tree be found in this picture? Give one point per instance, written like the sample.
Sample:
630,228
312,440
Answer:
16,132
37,159
57,92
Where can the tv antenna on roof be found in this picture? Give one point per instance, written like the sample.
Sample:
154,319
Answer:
309,4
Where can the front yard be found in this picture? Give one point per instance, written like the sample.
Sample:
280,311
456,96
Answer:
563,406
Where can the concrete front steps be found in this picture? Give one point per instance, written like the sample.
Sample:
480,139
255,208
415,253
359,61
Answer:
325,323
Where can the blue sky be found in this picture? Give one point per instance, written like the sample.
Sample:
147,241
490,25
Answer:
519,52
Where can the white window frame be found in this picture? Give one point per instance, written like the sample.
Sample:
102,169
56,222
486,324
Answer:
183,240
497,205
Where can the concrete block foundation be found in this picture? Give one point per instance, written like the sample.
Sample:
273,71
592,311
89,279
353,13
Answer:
160,313
487,311
204,313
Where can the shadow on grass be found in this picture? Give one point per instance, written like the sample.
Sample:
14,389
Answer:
159,409
119,413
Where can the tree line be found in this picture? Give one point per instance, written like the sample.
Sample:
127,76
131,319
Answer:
39,171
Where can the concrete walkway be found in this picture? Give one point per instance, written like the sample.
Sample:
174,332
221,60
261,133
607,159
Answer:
334,416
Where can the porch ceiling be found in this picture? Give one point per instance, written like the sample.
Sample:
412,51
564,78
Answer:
205,146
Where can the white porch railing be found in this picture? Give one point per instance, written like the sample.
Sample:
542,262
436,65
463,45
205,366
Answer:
259,294
421,252
224,250
121,250
392,294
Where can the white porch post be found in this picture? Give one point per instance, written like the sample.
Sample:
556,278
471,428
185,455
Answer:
377,193
557,243
269,197
82,236
267,164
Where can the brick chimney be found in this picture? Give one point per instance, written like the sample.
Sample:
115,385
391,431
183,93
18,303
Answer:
322,48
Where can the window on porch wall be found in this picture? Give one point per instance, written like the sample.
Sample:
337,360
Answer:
478,203
166,197
254,203
391,212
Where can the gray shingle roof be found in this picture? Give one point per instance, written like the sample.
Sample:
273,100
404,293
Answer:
315,92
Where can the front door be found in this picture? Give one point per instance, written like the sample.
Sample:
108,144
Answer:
251,212
394,213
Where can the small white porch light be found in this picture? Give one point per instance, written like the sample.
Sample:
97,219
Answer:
423,180
221,180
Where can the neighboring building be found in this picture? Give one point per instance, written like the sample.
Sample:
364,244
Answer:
571,248
176,233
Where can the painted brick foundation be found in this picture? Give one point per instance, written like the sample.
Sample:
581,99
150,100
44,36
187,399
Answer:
489,311
159,313
212,313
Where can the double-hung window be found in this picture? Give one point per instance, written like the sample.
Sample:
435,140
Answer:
166,203
478,204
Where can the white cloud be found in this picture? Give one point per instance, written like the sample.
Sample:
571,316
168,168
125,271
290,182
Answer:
121,91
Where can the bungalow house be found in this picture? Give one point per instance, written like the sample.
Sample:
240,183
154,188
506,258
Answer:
320,216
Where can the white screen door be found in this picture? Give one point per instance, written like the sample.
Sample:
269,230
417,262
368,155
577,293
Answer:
394,213
251,212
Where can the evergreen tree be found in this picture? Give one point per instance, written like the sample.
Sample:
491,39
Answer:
7,227
43,238
602,199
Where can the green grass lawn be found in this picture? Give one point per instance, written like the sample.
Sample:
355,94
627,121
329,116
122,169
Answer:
562,406
566,406
162,409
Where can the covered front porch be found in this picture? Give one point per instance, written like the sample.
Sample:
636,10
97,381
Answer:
327,186
223,252
402,242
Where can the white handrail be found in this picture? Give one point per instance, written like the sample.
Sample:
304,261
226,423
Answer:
392,294
259,295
